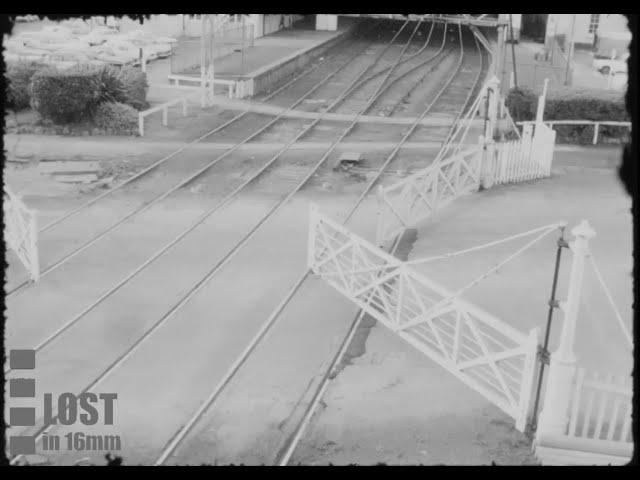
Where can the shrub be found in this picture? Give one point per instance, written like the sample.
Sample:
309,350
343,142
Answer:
110,85
574,104
19,75
522,104
119,117
135,85
64,96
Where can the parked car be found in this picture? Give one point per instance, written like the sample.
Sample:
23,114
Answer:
99,35
77,26
608,65
16,48
118,52
27,18
70,59
153,46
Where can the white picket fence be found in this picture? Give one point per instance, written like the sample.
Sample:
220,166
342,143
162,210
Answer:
598,423
525,159
418,196
484,352
21,232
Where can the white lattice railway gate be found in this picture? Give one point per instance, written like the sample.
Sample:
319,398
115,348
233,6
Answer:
20,232
417,197
483,351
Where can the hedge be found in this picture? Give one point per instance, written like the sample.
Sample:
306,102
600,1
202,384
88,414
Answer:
574,104
74,94
19,75
65,96
117,117
135,86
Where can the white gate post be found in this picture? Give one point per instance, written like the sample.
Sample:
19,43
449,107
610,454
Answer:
554,416
33,247
311,239
494,99
541,101
487,160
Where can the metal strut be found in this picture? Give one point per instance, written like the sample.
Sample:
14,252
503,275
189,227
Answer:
543,351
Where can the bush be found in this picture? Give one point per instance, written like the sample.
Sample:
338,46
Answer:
110,85
119,117
522,104
19,75
135,86
65,96
574,104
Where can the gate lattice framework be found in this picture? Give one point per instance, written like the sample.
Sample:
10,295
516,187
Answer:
484,352
456,172
21,232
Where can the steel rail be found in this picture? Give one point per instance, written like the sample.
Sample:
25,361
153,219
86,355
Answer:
299,431
179,150
185,232
61,261
271,320
202,282
181,434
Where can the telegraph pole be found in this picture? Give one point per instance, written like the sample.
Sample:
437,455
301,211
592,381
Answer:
203,60
570,55
513,51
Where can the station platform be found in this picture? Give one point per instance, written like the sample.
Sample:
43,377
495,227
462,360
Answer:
271,59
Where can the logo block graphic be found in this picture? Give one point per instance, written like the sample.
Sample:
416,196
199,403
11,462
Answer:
22,388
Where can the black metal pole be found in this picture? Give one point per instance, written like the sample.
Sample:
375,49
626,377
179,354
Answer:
544,352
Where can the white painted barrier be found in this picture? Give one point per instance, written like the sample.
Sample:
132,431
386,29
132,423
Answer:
21,232
596,125
484,352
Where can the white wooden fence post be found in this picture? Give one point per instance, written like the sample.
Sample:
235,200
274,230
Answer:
541,101
313,219
379,225
554,417
494,99
595,133
141,124
33,247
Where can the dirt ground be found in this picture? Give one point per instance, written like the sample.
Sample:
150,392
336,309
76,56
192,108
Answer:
394,405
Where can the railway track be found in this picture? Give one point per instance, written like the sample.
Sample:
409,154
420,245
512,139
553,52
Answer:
253,177
324,158
262,221
235,122
285,451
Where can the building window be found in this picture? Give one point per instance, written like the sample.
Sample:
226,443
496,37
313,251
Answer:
593,22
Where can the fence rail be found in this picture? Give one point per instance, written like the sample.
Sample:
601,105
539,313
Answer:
164,108
484,352
595,123
598,423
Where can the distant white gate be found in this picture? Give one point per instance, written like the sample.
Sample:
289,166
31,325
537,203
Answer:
485,353
525,159
21,232
418,196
